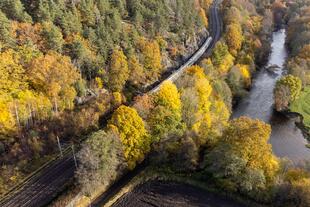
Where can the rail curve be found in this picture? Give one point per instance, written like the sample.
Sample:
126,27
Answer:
42,186
177,73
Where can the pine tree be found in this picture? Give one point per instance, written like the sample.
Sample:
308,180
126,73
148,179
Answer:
5,27
15,10
53,37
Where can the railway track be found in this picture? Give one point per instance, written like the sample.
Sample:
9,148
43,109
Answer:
206,49
41,187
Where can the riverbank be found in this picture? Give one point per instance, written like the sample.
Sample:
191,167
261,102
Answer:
299,121
297,65
301,106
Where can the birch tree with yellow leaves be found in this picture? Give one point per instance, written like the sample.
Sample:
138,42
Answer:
166,116
130,127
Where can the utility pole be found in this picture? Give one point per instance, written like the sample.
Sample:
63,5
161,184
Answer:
75,162
59,146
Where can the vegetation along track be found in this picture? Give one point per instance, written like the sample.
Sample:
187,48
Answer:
216,28
41,187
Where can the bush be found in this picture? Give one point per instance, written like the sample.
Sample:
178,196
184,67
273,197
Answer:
101,160
236,82
294,189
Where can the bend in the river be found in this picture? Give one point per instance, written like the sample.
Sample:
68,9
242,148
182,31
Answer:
286,139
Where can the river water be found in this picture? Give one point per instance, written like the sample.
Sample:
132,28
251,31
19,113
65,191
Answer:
286,139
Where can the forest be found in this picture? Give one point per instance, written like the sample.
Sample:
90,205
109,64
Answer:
66,65
186,129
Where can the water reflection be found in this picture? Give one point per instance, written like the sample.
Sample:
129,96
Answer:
287,140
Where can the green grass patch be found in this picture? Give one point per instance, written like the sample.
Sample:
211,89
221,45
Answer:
302,106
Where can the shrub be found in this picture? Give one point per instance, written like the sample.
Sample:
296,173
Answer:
101,160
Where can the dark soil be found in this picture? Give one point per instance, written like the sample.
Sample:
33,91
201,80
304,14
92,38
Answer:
169,194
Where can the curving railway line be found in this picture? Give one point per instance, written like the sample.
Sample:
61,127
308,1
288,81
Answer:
41,187
205,50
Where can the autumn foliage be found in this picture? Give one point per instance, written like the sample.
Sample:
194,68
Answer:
243,160
64,65
286,91
234,38
165,118
130,127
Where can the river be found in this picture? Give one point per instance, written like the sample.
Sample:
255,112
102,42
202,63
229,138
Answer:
286,138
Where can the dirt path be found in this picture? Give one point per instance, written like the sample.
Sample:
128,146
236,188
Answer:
168,194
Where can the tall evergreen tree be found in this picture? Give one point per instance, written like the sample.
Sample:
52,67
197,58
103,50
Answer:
15,10
5,27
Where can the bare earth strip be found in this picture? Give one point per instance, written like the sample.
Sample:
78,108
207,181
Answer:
170,194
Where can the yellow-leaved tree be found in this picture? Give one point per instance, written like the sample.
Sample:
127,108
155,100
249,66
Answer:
220,115
204,111
166,118
130,127
221,58
206,4
200,86
29,105
243,159
12,74
245,73
119,73
151,58
7,121
250,137
137,76
234,38
204,17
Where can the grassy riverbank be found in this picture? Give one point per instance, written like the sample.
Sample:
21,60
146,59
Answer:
302,106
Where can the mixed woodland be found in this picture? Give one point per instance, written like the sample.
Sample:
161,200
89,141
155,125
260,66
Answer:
186,129
65,65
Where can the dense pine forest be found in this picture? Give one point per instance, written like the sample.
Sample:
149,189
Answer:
77,72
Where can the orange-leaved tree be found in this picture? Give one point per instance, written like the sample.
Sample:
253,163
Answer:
54,76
